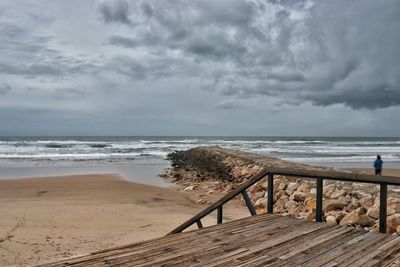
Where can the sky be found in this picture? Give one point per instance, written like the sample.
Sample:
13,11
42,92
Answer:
200,67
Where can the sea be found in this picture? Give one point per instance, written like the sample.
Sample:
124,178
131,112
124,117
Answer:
146,155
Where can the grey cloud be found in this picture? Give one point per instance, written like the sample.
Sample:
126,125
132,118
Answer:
300,51
379,96
157,67
4,88
287,77
115,11
147,9
123,41
228,104
29,55
30,70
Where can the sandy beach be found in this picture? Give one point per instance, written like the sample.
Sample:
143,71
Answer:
45,219
48,218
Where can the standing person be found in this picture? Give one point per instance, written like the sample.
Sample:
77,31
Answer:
378,165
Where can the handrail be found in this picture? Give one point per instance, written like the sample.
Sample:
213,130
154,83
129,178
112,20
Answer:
220,202
383,181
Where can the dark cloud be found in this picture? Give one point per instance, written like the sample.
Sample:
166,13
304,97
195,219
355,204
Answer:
304,50
115,11
147,9
379,96
188,60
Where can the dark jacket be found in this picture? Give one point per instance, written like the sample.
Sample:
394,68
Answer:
378,164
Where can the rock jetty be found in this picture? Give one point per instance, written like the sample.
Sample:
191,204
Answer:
216,169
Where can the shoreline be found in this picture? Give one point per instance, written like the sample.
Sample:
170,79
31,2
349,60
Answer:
61,216
146,172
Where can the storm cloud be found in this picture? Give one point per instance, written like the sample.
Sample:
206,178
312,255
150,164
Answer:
202,64
322,52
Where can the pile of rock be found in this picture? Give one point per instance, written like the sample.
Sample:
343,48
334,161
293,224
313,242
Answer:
344,203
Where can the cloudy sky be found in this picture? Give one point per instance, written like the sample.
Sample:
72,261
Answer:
207,67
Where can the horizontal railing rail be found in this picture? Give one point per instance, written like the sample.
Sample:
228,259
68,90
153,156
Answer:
319,176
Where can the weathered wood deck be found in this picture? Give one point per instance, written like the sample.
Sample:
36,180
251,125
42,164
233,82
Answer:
263,240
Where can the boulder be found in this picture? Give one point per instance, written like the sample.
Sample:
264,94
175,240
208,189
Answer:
361,194
373,212
261,203
298,196
310,203
264,185
357,217
190,188
279,206
291,205
335,204
291,187
310,216
280,194
338,193
256,195
329,189
393,222
354,204
331,219
282,186
297,211
303,187
256,188
366,202
340,215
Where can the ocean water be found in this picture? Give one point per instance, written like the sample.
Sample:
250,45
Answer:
111,151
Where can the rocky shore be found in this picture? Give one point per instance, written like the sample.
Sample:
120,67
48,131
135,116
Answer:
214,169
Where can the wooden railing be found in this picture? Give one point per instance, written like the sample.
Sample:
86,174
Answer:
319,176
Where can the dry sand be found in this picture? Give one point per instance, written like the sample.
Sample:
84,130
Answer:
45,219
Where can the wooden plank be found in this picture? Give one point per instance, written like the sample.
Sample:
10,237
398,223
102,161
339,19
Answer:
262,240
382,255
200,244
359,250
254,238
317,250
318,259
238,224
283,251
279,239
208,236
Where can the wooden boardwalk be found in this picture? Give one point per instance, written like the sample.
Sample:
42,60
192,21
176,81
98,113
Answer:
262,240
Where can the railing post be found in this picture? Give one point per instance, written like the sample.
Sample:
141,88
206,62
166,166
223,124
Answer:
199,224
248,203
383,208
318,211
219,215
270,208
